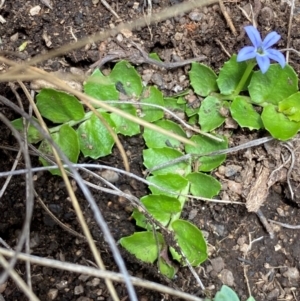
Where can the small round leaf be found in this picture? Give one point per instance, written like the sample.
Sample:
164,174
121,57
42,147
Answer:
58,106
203,79
279,126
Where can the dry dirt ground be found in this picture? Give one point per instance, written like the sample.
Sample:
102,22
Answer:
241,250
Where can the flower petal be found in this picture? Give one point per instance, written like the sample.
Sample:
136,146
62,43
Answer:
263,62
271,39
246,53
254,36
277,56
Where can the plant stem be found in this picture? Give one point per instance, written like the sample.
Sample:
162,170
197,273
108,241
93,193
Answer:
250,66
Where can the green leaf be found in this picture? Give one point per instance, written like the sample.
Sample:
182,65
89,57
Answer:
230,75
206,145
100,87
161,207
155,157
291,107
244,114
155,139
123,125
209,114
250,299
278,125
191,241
171,182
166,269
143,245
273,86
67,140
153,96
226,294
94,138
154,56
203,185
203,79
59,107
126,77
175,104
33,135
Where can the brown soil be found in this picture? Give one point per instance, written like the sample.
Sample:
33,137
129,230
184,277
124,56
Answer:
270,266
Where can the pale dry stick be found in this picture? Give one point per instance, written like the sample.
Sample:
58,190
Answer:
120,193
97,214
62,225
287,55
9,177
265,223
90,100
80,269
25,140
110,9
2,242
100,36
288,226
227,18
19,152
186,125
248,249
245,14
18,280
166,65
73,198
290,49
288,175
223,47
29,197
246,145
280,167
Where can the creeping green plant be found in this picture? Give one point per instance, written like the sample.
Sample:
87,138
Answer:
227,294
267,99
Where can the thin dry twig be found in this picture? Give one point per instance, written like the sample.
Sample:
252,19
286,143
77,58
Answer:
110,9
18,280
264,221
288,226
80,269
29,197
289,30
246,145
223,47
288,175
62,225
227,18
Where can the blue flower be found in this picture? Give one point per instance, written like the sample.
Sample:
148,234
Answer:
261,49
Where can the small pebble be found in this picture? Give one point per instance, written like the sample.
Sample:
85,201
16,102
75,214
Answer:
52,293
78,290
196,16
226,277
274,294
291,273
110,175
217,264
178,36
